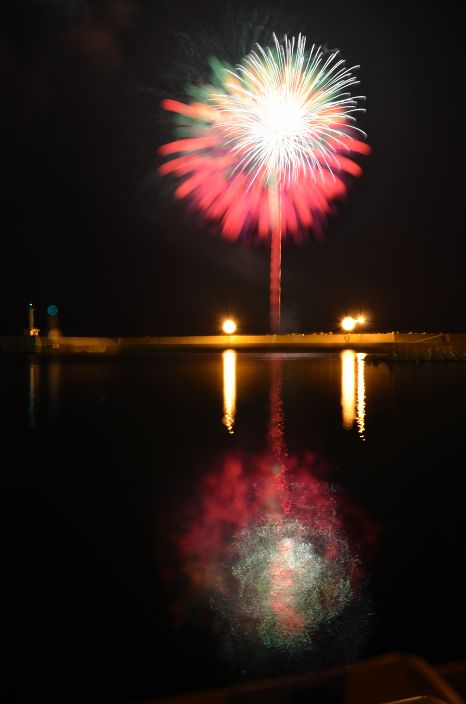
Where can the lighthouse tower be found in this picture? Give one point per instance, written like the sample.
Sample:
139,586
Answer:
31,329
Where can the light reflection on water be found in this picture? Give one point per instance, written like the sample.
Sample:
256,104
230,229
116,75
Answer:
348,388
229,389
264,542
361,398
353,391
34,372
353,387
54,370
49,377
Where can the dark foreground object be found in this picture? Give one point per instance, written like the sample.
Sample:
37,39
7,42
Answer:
395,678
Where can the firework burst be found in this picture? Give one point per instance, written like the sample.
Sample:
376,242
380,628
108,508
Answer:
266,147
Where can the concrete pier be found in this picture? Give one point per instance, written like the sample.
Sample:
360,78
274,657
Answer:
405,343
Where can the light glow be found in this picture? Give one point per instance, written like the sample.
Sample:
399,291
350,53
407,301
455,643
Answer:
229,327
348,323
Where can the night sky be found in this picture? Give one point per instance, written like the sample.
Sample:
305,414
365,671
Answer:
88,225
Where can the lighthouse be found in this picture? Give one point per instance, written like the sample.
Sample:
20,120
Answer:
31,329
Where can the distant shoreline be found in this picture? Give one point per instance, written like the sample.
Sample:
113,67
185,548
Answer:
395,346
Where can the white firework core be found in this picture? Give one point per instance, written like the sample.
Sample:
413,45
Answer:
288,112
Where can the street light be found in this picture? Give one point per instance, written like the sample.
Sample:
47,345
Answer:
229,327
348,323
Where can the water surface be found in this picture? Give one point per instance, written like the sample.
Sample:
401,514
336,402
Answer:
193,520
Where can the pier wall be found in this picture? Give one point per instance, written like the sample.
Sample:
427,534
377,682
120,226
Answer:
369,342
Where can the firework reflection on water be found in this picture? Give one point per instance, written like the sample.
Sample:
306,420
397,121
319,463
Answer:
263,544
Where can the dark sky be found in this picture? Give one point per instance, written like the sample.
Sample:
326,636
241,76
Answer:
89,226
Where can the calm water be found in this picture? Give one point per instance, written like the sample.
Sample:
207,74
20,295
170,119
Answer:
194,520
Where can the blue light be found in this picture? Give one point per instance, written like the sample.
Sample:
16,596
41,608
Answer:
52,310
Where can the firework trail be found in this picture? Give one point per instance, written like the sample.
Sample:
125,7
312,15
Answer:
267,146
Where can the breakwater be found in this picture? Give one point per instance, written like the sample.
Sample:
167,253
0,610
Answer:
391,342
